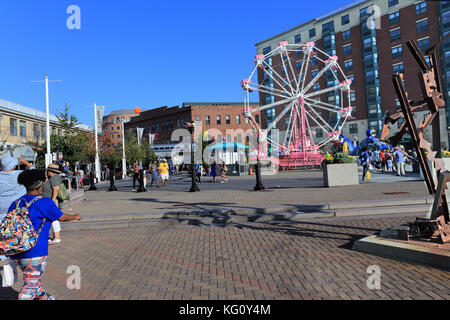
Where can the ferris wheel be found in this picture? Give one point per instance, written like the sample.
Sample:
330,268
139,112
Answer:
307,75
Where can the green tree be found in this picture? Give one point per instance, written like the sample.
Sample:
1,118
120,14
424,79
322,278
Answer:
68,121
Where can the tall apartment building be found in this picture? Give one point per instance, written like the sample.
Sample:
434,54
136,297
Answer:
370,56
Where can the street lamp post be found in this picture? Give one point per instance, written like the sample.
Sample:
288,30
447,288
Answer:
48,155
97,158
194,187
259,186
124,161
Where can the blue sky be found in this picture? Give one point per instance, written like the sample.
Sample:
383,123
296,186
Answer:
138,52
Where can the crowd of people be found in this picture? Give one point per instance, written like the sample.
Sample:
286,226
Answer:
386,160
158,173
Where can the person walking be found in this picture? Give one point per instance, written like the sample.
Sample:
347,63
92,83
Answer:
223,172
164,172
213,169
136,169
154,171
364,157
42,212
382,160
50,189
198,172
400,161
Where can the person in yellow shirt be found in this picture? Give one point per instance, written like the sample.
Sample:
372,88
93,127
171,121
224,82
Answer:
164,172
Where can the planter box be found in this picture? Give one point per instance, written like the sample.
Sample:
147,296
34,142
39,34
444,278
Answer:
340,174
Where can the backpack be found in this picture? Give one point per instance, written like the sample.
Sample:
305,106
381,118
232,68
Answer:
63,193
17,233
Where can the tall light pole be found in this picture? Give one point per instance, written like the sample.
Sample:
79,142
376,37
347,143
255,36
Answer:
97,158
124,158
48,155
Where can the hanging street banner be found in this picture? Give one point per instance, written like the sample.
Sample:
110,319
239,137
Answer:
140,132
100,113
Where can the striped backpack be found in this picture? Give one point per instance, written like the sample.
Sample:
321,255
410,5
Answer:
17,233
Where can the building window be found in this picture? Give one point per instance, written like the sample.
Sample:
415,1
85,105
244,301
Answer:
36,131
423,44
352,97
314,73
238,119
394,17
227,119
314,61
59,132
298,38
421,7
218,120
13,127
257,118
353,128
392,3
23,129
422,25
298,65
345,19
43,133
118,136
347,50
312,33
198,118
348,65
398,68
118,128
345,35
395,34
316,87
397,52
266,50
208,120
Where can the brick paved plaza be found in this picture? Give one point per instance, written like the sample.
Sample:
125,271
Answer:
307,260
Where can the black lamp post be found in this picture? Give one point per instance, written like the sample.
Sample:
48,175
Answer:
194,187
258,186
112,177
92,187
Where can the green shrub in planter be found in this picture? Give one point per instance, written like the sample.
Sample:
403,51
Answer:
342,157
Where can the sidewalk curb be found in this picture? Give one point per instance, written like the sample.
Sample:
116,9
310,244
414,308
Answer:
253,214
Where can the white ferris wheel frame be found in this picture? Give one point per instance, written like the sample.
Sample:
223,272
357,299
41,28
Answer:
297,88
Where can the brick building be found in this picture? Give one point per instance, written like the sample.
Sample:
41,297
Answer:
370,56
219,121
112,124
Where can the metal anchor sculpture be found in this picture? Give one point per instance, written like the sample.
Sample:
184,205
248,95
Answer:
439,223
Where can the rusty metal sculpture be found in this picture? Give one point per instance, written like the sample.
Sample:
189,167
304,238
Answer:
438,225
